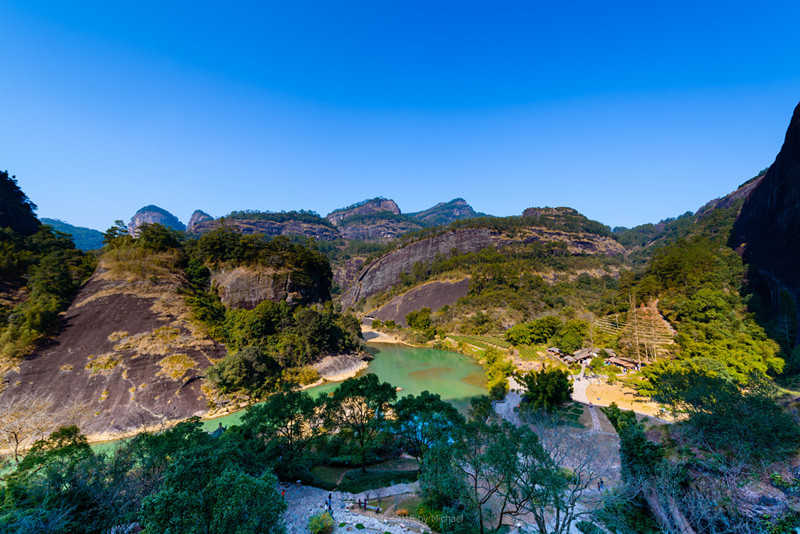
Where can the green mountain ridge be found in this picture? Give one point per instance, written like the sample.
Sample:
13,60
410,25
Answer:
84,238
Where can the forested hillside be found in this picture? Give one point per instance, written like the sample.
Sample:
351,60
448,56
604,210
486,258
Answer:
40,272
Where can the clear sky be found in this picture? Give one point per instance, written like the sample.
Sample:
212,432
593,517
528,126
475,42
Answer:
629,112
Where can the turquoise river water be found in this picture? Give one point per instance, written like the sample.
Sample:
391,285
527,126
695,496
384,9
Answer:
455,377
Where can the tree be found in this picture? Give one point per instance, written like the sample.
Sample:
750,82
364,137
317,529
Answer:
157,237
572,334
29,416
360,405
117,235
498,368
49,486
557,471
420,320
205,491
547,388
423,421
539,331
289,420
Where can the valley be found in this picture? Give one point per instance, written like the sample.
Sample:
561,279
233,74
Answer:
528,334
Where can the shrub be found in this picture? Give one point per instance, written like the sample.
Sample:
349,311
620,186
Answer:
320,523
430,516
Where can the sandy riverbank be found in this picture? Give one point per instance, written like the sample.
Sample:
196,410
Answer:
338,368
375,336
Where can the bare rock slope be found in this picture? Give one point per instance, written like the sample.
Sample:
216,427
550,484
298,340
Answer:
385,272
433,295
127,351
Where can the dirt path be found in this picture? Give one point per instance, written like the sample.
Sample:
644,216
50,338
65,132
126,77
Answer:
505,407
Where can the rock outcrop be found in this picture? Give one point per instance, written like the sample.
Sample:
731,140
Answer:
345,272
378,228
577,243
433,295
128,351
444,213
246,287
197,217
767,231
154,215
729,200
385,272
270,228
580,240
365,207
378,219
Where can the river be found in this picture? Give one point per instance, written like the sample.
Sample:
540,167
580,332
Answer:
455,377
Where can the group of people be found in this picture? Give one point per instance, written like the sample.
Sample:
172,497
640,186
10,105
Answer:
362,503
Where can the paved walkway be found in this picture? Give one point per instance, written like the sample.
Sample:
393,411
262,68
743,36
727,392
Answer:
505,407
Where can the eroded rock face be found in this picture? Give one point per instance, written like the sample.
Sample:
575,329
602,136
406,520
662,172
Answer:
271,228
433,295
767,231
197,217
128,352
372,206
379,230
154,215
346,273
577,243
246,287
385,272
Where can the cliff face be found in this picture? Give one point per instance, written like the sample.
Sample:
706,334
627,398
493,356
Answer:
154,215
246,287
767,231
128,351
371,206
385,272
433,295
197,217
378,229
271,228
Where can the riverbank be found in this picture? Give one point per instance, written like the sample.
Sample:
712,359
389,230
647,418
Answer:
339,368
375,336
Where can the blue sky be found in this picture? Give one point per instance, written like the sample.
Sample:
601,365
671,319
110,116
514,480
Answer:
629,112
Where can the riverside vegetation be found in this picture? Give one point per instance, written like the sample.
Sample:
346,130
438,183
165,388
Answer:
185,480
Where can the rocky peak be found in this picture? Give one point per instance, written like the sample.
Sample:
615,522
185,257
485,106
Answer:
154,215
444,213
197,217
365,207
